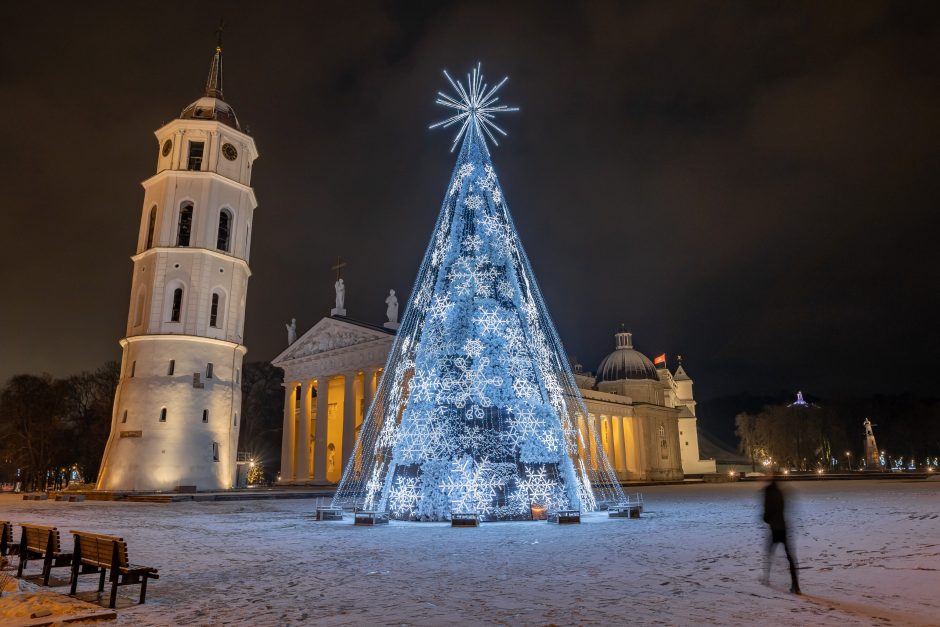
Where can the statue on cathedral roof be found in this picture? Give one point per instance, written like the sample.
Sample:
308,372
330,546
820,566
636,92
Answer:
391,312
340,308
291,331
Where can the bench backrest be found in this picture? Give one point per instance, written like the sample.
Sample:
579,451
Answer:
99,550
6,534
37,538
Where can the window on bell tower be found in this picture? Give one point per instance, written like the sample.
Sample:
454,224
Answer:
195,155
214,311
185,228
152,222
177,309
225,229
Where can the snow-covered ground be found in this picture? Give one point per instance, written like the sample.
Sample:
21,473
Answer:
869,553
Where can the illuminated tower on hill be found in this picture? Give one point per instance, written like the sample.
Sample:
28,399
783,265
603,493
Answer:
477,410
176,411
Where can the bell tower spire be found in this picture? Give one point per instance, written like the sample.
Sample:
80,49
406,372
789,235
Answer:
214,82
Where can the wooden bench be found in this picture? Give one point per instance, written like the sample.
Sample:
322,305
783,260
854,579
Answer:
7,546
98,553
41,542
632,507
370,518
465,519
565,517
329,513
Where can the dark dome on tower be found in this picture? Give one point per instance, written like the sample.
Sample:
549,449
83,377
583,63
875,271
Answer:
211,109
625,362
212,106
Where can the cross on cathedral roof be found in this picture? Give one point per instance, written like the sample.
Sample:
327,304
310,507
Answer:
338,266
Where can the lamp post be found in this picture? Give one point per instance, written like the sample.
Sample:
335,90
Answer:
848,460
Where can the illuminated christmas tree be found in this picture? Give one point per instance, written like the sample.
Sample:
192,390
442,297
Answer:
477,410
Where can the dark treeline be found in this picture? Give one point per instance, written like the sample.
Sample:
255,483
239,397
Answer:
263,412
805,438
50,428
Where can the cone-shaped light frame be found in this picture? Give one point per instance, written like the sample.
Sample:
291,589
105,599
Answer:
477,410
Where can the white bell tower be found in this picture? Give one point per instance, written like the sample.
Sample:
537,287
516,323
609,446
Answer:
176,410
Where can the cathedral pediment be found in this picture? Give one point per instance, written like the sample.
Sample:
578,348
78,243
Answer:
331,335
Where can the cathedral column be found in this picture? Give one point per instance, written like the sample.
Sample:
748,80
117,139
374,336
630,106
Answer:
642,448
287,439
618,461
583,439
593,437
606,440
323,411
368,389
631,446
302,467
349,415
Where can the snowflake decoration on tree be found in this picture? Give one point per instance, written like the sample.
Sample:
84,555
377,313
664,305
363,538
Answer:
472,485
489,320
540,488
473,202
440,307
473,347
404,496
473,242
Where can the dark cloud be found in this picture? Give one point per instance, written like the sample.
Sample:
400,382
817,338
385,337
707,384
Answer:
749,184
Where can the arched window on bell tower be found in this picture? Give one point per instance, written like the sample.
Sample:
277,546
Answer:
225,230
176,308
139,308
151,224
184,229
214,311
217,304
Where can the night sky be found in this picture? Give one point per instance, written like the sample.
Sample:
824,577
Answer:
752,185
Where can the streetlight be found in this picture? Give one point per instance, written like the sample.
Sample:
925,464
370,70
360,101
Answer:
848,459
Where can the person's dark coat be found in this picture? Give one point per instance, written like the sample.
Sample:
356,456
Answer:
773,508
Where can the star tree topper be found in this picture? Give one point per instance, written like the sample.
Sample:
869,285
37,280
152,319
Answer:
476,107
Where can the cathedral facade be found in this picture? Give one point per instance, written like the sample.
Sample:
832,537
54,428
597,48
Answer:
645,415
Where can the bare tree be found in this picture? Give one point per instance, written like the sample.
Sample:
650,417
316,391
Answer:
33,432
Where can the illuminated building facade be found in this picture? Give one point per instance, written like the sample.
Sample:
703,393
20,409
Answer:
645,415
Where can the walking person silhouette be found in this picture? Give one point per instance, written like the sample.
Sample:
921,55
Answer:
774,517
